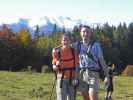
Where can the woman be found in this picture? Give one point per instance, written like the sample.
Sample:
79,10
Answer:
65,59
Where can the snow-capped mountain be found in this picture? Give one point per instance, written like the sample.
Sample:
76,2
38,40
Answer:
47,25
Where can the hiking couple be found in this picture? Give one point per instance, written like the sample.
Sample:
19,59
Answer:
78,63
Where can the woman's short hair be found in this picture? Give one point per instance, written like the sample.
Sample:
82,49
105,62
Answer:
66,34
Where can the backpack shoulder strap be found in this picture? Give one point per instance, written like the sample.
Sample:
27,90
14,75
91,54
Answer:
59,53
79,46
90,45
73,54
58,50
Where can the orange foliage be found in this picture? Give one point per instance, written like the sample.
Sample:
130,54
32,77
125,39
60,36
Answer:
128,71
7,34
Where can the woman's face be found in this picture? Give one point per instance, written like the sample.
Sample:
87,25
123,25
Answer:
85,33
65,41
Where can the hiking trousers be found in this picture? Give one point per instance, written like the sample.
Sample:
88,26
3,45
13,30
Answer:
66,91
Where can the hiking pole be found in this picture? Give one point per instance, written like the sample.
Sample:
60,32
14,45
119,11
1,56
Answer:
75,91
53,86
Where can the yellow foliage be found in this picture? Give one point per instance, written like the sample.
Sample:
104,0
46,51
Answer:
43,42
23,37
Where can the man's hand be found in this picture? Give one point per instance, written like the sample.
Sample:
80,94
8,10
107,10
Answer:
106,80
75,81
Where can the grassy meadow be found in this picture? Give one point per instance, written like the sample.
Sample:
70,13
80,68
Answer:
38,86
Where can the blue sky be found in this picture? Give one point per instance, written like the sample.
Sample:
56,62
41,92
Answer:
113,11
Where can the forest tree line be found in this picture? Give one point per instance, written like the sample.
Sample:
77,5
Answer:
19,50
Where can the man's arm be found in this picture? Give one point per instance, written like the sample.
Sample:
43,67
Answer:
104,66
101,60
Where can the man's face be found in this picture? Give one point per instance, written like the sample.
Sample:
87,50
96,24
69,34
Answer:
85,33
65,40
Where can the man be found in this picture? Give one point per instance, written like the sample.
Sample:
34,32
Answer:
90,55
65,59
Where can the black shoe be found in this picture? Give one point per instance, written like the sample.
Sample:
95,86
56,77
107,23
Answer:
105,98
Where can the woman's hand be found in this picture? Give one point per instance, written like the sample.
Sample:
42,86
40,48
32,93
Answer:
55,68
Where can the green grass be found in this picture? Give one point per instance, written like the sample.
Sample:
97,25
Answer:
35,86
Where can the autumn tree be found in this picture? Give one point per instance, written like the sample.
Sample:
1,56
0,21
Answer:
23,37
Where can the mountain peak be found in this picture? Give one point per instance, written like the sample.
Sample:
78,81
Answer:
46,24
